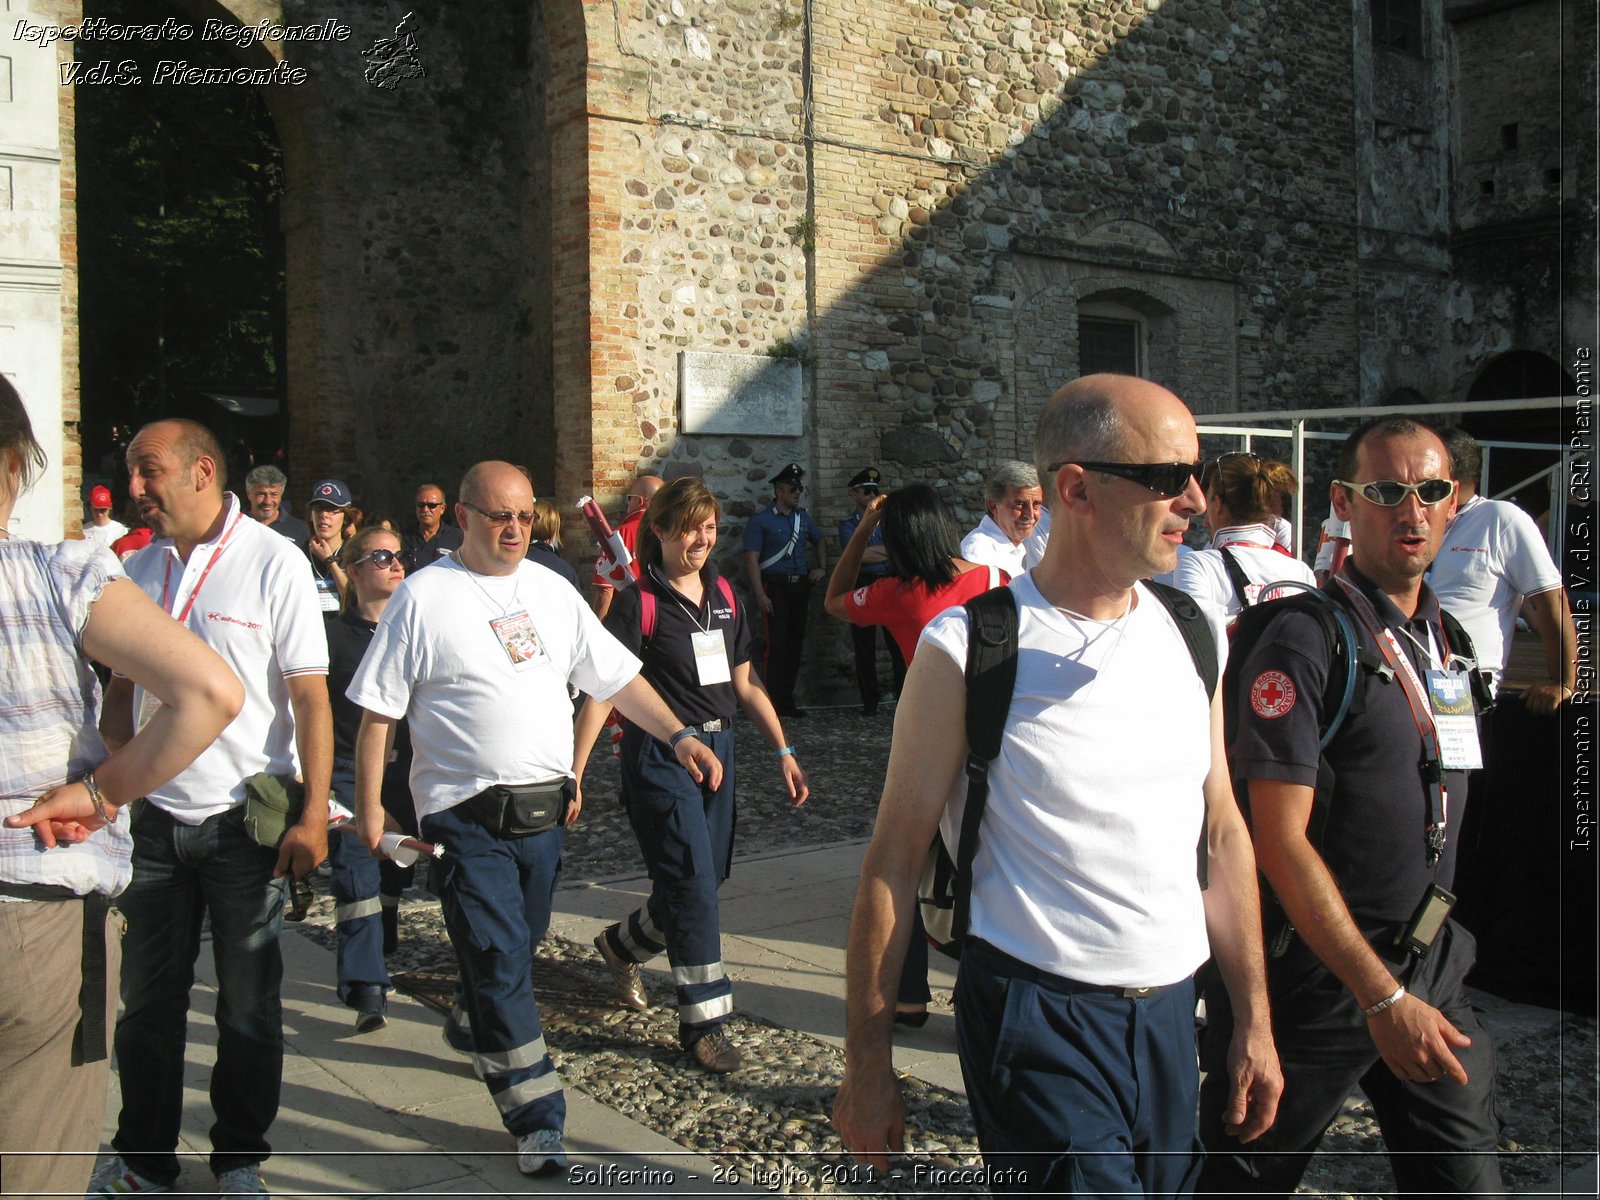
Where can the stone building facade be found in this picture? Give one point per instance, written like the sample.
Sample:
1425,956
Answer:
944,209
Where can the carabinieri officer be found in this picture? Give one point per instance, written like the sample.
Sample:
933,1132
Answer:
775,543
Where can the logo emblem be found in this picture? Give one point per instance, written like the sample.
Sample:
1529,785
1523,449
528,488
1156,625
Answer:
1272,694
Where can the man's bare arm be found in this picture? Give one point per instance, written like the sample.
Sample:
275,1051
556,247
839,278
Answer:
1233,925
1551,616
306,843
924,762
1413,1037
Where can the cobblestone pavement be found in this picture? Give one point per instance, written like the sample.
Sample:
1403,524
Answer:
769,1121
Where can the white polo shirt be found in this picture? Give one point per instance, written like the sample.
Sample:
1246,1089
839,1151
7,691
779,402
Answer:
477,717
1086,854
1492,556
1204,575
247,595
988,544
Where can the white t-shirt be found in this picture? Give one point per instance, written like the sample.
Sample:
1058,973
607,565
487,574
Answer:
256,607
1086,854
104,535
1204,575
477,718
1332,529
1492,556
988,545
1283,533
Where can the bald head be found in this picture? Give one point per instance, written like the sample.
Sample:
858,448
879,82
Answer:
642,490
487,479
1095,418
495,513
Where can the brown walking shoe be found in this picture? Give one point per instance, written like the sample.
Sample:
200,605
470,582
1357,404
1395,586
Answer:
630,984
716,1053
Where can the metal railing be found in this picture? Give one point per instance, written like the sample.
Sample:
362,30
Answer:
1290,424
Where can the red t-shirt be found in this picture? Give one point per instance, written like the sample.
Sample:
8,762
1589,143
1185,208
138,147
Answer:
905,609
138,539
629,532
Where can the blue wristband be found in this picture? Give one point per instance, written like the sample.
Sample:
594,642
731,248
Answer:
785,750
688,731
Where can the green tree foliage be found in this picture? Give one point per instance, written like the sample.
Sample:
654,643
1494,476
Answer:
181,257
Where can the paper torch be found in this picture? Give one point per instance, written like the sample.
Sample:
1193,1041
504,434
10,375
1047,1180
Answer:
615,564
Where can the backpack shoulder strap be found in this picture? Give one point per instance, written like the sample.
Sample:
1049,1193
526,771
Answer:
991,678
1196,631
1236,575
726,589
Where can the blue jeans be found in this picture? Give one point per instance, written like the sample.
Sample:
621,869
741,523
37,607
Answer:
181,873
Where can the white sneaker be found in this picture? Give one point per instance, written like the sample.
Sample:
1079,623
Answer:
241,1181
114,1177
540,1151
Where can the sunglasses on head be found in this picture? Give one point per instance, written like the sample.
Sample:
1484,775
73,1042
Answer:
1390,492
1164,479
382,559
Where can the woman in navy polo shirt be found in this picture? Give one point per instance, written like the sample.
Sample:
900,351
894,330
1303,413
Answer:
684,624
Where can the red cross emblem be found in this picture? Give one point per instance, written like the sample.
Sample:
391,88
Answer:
1272,694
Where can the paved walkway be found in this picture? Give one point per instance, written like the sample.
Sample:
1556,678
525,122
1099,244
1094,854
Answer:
396,1113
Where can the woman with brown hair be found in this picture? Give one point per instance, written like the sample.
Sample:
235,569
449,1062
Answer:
544,542
1243,494
682,620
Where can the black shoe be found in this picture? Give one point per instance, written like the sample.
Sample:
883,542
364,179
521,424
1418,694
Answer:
371,1007
914,1020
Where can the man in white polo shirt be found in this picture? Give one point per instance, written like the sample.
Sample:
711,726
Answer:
476,653
1075,1000
1015,503
246,592
1493,563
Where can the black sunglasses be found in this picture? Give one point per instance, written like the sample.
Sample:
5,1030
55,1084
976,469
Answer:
430,505
382,559
1391,492
1164,479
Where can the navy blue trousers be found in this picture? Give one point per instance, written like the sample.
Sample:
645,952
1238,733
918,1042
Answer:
358,910
496,895
1077,1094
685,832
1325,1051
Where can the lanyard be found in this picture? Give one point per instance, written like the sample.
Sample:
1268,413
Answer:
166,581
1432,768
673,592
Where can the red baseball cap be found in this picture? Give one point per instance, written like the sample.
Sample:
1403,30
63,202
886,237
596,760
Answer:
100,497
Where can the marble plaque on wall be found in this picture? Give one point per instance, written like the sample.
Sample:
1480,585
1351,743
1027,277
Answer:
747,394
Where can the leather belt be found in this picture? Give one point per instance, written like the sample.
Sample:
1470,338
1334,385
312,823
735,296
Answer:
784,578
1003,964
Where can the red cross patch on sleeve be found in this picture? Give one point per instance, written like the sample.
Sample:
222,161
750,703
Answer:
1272,694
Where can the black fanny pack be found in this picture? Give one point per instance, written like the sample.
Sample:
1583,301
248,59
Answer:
519,812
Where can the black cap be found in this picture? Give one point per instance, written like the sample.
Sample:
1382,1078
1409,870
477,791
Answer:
790,474
867,479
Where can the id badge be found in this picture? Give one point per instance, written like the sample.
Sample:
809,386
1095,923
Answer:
327,595
518,638
1454,720
711,657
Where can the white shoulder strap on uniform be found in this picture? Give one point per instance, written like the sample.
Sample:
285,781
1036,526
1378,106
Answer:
794,538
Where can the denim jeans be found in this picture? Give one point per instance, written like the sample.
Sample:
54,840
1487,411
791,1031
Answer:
180,874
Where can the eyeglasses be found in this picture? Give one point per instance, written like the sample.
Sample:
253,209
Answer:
1164,479
430,505
382,559
499,519
796,488
1391,492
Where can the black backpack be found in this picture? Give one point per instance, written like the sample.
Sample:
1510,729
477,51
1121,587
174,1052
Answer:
944,894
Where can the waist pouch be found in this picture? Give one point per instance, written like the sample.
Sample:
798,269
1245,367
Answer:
272,803
523,810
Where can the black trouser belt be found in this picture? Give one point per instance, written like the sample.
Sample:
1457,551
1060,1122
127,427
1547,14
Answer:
91,1031
1003,964
782,578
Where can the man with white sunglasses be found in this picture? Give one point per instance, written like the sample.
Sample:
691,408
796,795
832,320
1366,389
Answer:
1358,842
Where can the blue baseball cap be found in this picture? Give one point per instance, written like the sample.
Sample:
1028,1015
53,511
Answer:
333,493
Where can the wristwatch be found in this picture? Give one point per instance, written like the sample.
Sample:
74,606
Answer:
688,731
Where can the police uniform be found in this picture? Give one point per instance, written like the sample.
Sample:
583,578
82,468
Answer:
1375,844
685,829
864,638
779,543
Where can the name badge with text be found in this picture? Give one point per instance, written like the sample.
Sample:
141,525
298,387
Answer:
711,658
1454,720
518,638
